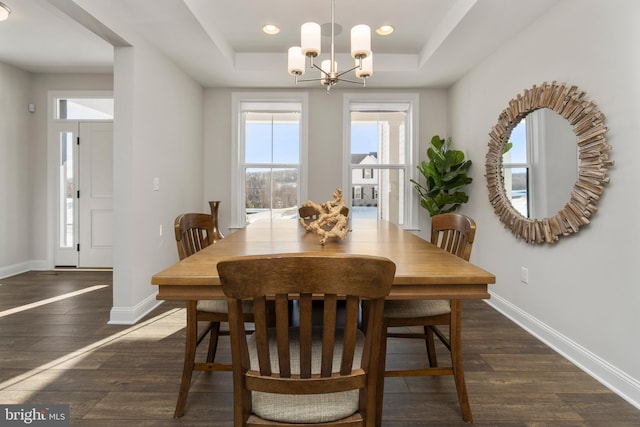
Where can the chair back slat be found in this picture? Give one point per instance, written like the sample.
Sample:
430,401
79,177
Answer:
262,336
329,321
306,329
282,335
454,233
332,357
349,338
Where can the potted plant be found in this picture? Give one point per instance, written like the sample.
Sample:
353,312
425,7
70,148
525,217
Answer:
445,174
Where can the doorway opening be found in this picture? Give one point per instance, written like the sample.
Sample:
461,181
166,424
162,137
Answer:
81,137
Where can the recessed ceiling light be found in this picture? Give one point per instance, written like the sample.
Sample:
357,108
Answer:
270,29
385,30
5,11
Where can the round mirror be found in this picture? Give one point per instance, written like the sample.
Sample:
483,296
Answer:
547,162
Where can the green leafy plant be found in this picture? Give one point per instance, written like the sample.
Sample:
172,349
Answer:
445,174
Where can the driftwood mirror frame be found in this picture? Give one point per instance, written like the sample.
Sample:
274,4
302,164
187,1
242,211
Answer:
593,162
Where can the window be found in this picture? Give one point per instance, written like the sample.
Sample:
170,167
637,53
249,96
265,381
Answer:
380,151
357,192
516,167
87,108
270,148
66,191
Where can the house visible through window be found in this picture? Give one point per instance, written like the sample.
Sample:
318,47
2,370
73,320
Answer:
381,148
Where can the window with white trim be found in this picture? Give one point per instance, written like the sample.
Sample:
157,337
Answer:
517,167
380,150
270,148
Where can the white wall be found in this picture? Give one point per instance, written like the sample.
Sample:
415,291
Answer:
325,141
15,177
158,133
583,293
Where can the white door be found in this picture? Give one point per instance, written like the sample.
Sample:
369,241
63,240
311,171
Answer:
95,158
84,194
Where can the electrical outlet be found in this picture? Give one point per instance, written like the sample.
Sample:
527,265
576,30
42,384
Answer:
524,275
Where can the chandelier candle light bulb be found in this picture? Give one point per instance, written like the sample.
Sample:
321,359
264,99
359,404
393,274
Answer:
327,71
360,41
310,37
365,67
296,61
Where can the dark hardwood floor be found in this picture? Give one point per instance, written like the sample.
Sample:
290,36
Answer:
64,352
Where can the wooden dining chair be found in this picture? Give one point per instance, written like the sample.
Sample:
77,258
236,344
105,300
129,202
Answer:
302,375
454,233
194,232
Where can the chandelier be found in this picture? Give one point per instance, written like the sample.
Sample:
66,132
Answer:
310,35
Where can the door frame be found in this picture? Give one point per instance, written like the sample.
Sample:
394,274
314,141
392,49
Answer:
52,158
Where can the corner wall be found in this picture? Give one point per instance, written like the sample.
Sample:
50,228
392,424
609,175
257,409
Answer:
583,293
15,177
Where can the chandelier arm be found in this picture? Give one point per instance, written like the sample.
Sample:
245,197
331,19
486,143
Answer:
308,80
351,81
321,70
347,71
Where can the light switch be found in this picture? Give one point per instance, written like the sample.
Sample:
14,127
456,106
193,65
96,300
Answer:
156,184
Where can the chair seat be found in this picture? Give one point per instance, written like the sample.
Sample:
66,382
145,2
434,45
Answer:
220,306
309,408
212,306
416,308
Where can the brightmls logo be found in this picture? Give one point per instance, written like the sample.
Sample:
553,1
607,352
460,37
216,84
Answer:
34,415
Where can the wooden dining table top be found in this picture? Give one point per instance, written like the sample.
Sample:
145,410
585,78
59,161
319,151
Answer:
423,271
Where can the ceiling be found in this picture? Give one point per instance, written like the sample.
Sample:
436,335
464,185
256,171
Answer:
220,42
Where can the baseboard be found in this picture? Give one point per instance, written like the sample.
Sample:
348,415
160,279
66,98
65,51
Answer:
131,315
22,267
611,377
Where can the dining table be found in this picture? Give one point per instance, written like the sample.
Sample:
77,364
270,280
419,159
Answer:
423,270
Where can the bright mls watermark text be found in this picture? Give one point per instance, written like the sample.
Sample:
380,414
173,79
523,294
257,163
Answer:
34,415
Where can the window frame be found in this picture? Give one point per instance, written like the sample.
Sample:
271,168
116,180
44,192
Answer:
529,125
394,102
276,101
357,192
